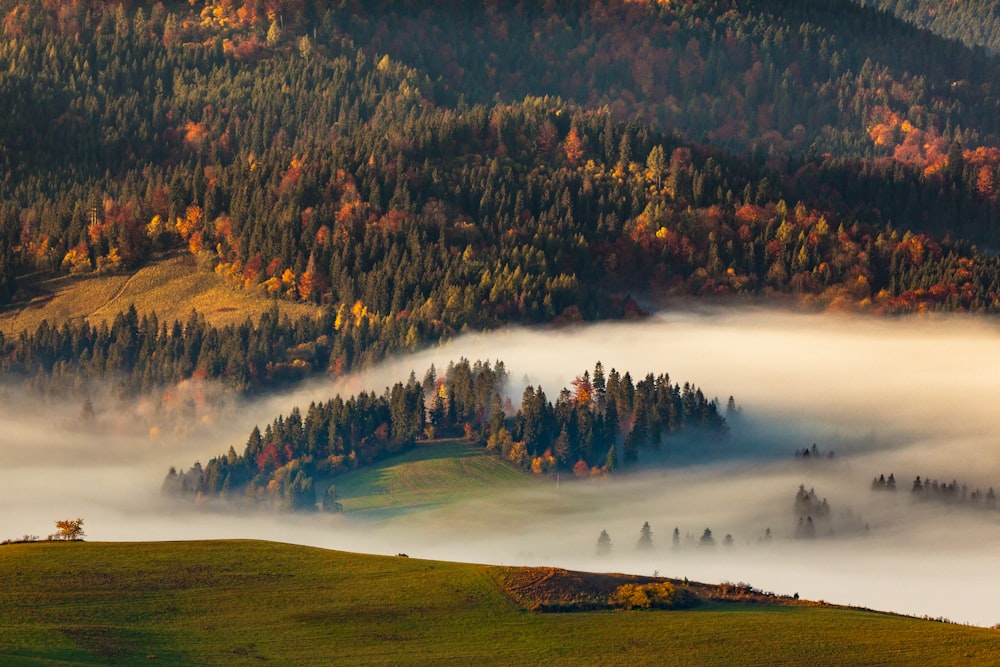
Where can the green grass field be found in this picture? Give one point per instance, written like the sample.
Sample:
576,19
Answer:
432,474
239,602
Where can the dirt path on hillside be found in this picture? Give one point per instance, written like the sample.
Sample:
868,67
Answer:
117,295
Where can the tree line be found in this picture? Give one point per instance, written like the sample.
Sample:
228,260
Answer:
931,490
287,463
141,355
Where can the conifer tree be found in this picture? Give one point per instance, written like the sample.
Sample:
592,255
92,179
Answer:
645,538
603,543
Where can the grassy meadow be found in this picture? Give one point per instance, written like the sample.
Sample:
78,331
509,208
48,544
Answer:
170,287
433,473
245,602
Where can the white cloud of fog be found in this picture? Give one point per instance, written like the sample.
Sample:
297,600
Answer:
911,396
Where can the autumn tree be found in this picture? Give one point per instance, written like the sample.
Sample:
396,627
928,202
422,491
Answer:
657,595
273,34
305,46
69,529
573,147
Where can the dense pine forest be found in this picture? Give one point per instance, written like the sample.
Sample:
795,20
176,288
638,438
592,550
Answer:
581,432
972,22
419,171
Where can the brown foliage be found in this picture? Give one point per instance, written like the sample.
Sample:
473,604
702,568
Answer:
195,134
554,589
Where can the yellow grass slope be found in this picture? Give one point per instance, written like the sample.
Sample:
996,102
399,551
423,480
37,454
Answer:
171,287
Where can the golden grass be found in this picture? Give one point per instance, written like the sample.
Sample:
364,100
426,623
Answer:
171,287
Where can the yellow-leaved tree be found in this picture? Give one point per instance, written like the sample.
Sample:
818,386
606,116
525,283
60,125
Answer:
69,529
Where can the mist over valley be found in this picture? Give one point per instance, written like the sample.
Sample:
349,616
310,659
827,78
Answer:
705,291
906,397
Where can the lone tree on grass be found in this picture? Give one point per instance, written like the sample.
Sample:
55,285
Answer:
69,529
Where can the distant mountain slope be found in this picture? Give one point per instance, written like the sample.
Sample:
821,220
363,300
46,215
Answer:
780,76
972,22
381,161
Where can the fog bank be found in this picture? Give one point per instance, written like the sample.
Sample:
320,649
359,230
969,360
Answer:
909,396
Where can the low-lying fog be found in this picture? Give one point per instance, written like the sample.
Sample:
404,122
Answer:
909,396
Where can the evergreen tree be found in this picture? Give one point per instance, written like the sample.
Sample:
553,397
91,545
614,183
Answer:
603,544
330,501
611,460
645,538
630,449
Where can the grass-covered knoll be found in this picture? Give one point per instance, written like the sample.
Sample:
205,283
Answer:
253,602
433,473
170,287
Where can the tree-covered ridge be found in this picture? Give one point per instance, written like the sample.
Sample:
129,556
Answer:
269,145
972,22
774,75
310,170
581,432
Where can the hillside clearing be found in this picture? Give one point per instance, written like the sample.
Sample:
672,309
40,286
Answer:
171,287
433,473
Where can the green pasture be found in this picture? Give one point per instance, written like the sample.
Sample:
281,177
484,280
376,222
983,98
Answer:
244,602
432,474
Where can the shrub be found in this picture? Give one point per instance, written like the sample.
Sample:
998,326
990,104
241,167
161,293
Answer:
661,595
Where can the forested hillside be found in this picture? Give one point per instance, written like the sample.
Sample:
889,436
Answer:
972,22
779,76
420,171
